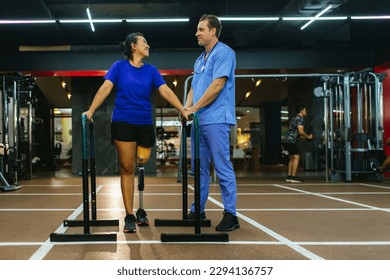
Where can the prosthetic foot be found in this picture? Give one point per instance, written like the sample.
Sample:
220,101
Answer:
142,219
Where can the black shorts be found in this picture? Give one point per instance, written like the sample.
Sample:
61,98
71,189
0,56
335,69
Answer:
291,148
144,135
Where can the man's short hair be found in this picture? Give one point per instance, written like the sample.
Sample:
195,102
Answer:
299,108
214,22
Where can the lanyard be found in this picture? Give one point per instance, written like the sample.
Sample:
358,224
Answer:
205,58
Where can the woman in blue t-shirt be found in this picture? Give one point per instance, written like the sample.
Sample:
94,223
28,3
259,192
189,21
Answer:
132,130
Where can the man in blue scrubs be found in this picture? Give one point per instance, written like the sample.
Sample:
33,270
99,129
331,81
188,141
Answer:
212,97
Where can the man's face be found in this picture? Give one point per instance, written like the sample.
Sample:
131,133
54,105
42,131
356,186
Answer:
203,33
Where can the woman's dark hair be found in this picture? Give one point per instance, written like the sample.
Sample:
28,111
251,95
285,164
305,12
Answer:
299,108
214,22
125,46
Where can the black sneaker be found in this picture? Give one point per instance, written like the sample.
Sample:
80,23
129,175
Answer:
228,223
129,224
375,168
142,218
191,216
295,179
288,178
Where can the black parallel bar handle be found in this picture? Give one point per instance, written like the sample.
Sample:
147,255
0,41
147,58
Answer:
184,169
85,173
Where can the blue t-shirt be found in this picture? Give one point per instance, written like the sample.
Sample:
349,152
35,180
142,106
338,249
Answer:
221,62
134,87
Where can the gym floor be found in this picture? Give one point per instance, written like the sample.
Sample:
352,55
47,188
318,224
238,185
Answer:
279,220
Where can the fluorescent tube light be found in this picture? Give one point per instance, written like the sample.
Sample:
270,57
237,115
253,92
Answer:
107,20
312,18
135,20
371,17
316,17
248,18
87,20
27,21
74,21
90,20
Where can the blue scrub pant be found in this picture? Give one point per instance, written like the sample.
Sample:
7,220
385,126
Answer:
214,145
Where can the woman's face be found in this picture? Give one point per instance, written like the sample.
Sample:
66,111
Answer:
141,47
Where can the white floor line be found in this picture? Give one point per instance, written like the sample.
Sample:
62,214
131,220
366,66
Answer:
179,210
47,246
300,184
54,185
375,186
242,242
328,193
80,193
305,209
272,233
36,209
211,193
335,198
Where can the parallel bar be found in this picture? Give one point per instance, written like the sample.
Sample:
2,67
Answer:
64,237
87,222
92,223
180,223
204,237
197,236
184,179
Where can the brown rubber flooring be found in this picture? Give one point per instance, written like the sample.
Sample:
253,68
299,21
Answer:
279,220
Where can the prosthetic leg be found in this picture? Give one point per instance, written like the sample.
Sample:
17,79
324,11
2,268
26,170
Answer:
142,219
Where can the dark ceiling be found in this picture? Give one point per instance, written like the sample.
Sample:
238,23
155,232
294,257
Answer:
280,34
239,34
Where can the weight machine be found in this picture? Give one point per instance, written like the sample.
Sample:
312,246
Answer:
13,163
353,119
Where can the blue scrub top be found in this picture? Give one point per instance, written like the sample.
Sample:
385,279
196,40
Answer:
221,62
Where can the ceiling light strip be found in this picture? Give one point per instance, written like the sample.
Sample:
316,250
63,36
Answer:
312,18
27,21
317,16
248,18
90,20
371,17
106,20
74,21
139,20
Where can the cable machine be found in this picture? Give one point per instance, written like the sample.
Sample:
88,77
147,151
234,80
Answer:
13,163
354,124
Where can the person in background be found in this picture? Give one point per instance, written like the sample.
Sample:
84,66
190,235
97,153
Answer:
379,170
132,130
296,131
212,97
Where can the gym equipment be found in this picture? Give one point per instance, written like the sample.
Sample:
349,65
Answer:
354,124
87,222
6,187
197,236
14,159
183,162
